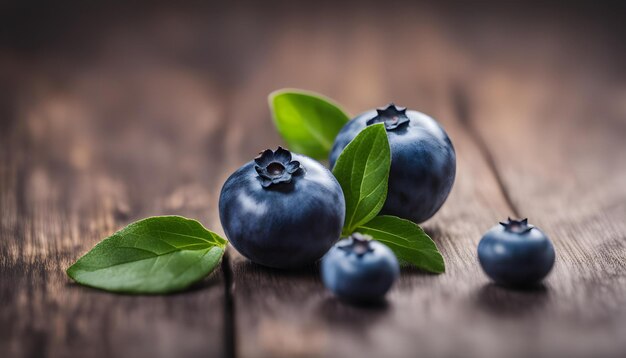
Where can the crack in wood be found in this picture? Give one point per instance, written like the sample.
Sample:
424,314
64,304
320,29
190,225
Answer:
461,106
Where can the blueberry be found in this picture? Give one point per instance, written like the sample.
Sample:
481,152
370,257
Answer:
423,161
358,269
282,210
516,253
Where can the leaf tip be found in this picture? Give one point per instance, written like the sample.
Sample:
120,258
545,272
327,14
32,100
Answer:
71,271
271,97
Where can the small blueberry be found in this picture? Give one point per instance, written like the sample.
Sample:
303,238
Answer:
359,269
516,253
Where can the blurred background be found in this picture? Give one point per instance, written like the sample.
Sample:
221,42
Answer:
125,87
113,111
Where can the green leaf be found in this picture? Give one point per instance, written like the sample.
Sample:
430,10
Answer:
154,255
362,170
307,121
407,240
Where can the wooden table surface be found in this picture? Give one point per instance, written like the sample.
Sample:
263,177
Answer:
109,114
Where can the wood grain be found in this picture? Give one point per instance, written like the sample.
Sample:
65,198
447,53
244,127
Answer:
560,152
111,113
96,137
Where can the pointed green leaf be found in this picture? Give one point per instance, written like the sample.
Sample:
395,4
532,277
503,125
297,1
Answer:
154,255
307,121
407,240
362,170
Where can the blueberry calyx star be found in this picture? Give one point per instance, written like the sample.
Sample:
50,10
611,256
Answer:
276,167
358,244
516,226
392,116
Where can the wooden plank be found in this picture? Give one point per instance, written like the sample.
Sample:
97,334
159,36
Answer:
555,129
89,145
286,314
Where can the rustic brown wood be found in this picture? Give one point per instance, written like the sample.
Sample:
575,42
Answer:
72,176
99,131
559,150
111,114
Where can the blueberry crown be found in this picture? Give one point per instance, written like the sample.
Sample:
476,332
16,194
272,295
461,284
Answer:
393,117
276,167
516,226
358,244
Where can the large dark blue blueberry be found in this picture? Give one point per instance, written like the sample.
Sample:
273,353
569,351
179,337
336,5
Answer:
423,161
516,253
358,269
282,210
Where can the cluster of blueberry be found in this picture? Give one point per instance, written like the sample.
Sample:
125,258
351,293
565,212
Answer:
285,210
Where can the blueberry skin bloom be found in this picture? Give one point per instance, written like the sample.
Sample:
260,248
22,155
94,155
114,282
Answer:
423,161
282,210
516,253
359,269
